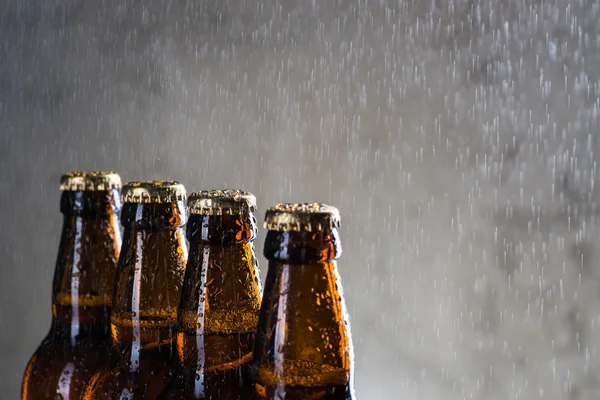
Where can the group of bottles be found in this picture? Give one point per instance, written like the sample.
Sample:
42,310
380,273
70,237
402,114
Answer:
145,320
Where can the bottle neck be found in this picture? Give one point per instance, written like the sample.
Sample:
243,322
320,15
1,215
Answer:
302,247
86,266
303,336
219,308
148,286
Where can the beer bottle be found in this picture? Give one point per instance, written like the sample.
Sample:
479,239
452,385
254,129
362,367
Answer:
221,298
303,346
147,292
79,337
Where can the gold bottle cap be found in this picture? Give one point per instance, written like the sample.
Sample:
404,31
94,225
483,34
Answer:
302,217
153,192
90,180
221,202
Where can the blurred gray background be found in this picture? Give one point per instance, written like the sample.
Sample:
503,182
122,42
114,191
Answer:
458,138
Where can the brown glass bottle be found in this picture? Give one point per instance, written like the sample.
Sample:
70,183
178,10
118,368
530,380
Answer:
303,345
221,298
147,292
79,337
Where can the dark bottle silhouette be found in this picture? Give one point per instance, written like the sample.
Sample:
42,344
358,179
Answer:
79,337
147,292
303,345
221,298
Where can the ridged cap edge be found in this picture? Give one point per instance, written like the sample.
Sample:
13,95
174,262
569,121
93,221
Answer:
221,202
302,217
90,180
153,192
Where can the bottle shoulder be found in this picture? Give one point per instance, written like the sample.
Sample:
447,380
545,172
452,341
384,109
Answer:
54,369
55,348
118,381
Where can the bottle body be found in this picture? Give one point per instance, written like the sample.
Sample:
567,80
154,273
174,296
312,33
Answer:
59,368
79,337
145,303
219,311
303,346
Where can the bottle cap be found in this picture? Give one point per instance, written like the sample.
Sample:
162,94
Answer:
221,202
302,217
90,180
153,192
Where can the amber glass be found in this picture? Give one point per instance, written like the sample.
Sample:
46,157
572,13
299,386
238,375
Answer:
303,346
79,337
219,309
145,303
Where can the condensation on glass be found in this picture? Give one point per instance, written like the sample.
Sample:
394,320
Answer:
221,299
303,344
79,337
147,293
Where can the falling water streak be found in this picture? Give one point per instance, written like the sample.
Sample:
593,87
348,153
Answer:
64,384
135,301
200,318
75,275
280,329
